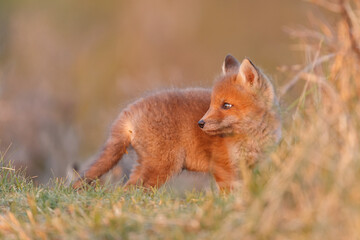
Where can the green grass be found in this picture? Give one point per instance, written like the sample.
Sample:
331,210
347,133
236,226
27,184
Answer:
55,211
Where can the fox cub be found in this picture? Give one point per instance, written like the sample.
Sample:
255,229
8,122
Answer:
196,129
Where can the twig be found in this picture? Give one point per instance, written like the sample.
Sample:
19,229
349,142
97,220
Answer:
333,7
346,16
307,68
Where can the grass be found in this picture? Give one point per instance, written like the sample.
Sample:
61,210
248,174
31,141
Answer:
55,211
309,189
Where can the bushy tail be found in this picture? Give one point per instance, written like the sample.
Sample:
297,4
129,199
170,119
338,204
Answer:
114,149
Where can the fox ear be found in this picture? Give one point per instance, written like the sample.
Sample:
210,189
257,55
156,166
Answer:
230,64
248,72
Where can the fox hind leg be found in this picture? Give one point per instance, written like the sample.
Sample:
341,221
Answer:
135,177
154,172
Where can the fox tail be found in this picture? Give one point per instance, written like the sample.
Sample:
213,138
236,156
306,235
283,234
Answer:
113,150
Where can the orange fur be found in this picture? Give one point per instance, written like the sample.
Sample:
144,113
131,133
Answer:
164,131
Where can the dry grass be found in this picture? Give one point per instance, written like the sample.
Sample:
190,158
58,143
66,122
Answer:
310,189
313,189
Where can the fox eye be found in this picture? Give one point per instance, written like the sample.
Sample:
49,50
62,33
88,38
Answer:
226,106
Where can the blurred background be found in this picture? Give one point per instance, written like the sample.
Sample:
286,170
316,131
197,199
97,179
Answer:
68,67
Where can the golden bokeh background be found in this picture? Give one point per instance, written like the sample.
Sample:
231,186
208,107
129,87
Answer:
68,67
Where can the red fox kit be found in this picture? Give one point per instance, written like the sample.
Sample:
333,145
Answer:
197,129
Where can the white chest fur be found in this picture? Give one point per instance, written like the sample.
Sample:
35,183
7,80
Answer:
247,151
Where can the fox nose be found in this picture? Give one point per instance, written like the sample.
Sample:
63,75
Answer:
201,123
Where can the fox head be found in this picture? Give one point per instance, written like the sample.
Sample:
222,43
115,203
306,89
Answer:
241,98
